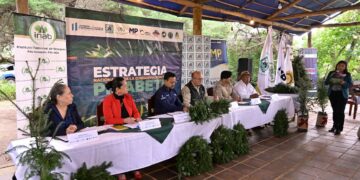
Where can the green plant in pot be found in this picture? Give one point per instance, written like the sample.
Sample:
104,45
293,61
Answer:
322,101
305,105
39,156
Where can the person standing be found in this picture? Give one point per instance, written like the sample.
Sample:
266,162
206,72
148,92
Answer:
339,82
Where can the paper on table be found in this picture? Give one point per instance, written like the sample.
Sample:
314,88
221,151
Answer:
98,128
160,116
132,126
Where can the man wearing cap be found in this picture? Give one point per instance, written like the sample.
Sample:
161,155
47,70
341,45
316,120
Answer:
243,87
193,91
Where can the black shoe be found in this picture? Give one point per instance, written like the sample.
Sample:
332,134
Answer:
337,132
332,130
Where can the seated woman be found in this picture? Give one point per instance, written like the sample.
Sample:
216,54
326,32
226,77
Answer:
119,106
62,111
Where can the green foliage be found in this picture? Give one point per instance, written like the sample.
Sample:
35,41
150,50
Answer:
8,89
282,88
241,144
321,95
220,107
40,157
300,72
194,158
340,43
303,99
281,123
222,140
201,112
95,172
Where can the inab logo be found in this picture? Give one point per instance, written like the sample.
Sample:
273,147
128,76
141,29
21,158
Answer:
42,33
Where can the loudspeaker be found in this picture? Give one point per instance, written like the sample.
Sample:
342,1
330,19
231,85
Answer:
244,64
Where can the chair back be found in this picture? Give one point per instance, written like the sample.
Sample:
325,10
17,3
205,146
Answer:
100,114
151,106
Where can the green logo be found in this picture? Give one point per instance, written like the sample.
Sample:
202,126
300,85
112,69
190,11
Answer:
42,33
264,64
45,79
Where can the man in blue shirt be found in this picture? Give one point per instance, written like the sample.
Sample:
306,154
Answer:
166,99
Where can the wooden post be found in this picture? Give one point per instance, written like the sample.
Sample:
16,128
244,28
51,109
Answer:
22,6
309,40
197,20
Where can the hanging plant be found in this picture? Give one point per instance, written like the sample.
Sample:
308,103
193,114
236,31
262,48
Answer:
195,157
222,145
201,112
241,144
281,123
95,172
220,107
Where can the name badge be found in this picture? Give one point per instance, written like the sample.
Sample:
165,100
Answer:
149,124
181,117
82,136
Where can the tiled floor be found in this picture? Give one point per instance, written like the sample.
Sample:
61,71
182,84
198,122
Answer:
316,154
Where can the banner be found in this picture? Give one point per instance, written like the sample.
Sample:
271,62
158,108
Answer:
280,76
310,62
219,61
284,69
266,76
196,56
289,68
38,41
102,46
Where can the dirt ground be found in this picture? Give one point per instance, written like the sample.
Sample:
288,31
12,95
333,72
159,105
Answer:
7,130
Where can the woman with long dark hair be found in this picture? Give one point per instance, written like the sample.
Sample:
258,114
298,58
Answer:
339,82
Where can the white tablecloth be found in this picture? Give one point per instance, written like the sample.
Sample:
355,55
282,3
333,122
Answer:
252,116
132,151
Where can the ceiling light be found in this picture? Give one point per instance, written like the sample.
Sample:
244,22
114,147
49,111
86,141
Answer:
279,6
252,22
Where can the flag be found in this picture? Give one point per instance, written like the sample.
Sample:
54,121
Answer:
280,76
266,75
288,68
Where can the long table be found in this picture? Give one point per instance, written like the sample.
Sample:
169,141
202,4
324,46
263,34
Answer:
132,151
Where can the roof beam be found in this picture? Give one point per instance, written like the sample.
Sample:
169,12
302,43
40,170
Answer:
284,9
317,13
296,6
237,14
183,10
337,25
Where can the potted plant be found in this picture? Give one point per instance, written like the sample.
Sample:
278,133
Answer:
304,105
322,101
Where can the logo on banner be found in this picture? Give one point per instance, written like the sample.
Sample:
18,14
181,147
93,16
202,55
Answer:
156,33
264,64
133,30
27,109
26,90
74,26
44,60
42,33
60,69
41,97
109,28
45,79
121,30
26,70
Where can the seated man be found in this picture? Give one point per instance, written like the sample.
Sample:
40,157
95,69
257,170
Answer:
243,87
166,99
193,91
224,89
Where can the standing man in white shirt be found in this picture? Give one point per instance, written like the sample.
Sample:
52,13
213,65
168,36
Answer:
243,87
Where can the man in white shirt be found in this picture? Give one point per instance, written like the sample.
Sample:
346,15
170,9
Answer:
243,87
